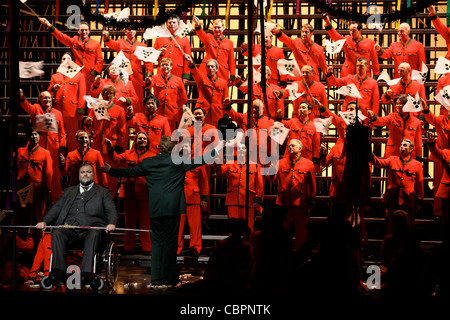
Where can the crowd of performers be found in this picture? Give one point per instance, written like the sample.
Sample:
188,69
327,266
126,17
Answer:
151,104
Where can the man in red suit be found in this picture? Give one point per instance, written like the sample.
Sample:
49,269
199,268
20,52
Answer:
86,51
170,92
128,46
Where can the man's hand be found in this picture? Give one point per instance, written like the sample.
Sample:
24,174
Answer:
110,228
55,87
371,115
97,80
431,137
432,10
278,94
106,168
377,47
196,21
105,35
329,69
41,225
188,58
21,95
203,204
108,144
326,18
424,104
45,22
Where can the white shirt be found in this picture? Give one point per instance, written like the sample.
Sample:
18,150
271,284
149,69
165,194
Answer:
84,189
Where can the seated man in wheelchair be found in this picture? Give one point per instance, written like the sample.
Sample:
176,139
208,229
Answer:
86,205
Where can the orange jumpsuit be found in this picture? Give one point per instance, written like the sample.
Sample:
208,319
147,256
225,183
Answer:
51,141
135,194
35,166
196,190
69,99
155,127
306,53
211,95
123,90
236,175
77,157
180,67
296,190
367,87
275,104
317,91
401,127
412,52
171,95
443,188
137,78
353,50
85,53
220,50
273,54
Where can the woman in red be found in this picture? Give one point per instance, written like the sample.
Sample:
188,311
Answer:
134,192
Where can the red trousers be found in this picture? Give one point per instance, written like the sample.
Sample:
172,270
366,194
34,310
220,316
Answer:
298,217
194,218
43,255
134,210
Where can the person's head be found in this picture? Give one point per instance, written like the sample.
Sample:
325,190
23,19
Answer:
304,109
212,66
150,104
113,71
109,93
45,99
268,72
362,66
399,220
351,106
84,30
141,141
268,38
32,137
257,108
218,28
406,147
82,138
166,144
403,32
166,66
355,29
67,57
404,70
86,174
199,114
173,24
241,151
307,73
400,101
295,148
130,33
307,32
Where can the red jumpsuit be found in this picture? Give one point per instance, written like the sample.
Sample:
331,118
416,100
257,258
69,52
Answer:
35,166
155,127
443,188
196,190
180,67
137,78
296,190
135,194
236,175
69,99
367,87
171,95
306,53
401,127
87,53
404,183
317,91
220,50
211,95
51,141
412,52
76,158
123,91
275,104
353,50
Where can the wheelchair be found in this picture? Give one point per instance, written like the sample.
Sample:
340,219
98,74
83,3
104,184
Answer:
105,266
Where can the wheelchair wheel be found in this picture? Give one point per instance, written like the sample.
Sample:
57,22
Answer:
97,283
111,264
46,283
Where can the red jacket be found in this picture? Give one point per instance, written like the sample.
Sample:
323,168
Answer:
180,67
443,30
411,88
353,50
273,54
412,52
155,127
307,134
442,83
275,104
69,99
221,50
123,90
206,136
442,126
196,186
34,166
337,160
444,157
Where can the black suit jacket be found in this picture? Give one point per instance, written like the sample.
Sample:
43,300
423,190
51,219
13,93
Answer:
99,207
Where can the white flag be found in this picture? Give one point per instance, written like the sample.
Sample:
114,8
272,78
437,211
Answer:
268,27
420,76
322,124
443,97
333,47
293,91
46,122
256,78
122,63
30,69
289,67
349,90
187,118
156,32
119,16
69,68
257,60
278,132
147,54
100,107
183,29
384,76
413,104
442,66
350,116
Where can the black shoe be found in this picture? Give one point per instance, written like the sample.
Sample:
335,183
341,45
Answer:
57,277
86,278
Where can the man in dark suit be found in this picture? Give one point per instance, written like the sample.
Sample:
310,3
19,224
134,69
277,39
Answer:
165,174
85,204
